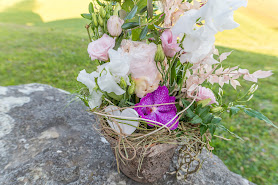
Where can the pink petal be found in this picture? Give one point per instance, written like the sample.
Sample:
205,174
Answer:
235,83
262,74
224,56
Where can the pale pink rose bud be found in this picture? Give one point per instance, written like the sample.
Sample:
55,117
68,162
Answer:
206,93
98,49
114,25
169,43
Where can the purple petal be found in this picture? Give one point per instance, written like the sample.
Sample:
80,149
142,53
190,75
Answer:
152,117
168,108
161,95
164,118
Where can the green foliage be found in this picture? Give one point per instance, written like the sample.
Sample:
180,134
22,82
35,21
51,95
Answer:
129,25
87,16
198,114
143,33
132,13
258,115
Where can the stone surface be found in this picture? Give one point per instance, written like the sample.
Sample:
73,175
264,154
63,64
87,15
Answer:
45,138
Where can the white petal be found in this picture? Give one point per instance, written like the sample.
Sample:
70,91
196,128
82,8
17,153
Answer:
127,129
95,99
86,79
112,110
126,126
107,83
119,64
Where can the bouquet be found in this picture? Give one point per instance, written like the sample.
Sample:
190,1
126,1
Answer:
158,84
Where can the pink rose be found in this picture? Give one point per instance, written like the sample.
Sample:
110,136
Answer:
169,43
114,25
98,49
205,93
142,66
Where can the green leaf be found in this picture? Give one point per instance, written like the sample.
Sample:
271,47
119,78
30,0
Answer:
207,119
100,3
122,13
258,115
186,104
143,10
196,120
129,25
189,113
204,111
114,96
203,129
216,120
118,41
91,8
87,16
135,33
233,111
132,13
158,27
143,33
227,130
127,5
212,128
150,8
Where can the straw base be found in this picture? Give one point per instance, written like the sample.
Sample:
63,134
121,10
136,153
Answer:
155,162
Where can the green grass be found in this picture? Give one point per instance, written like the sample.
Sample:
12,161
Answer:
54,52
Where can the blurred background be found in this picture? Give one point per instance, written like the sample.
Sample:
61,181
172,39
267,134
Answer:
45,41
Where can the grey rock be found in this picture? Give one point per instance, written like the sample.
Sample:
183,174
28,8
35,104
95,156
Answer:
45,138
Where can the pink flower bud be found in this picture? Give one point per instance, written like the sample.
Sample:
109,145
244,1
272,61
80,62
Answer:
206,93
114,25
169,43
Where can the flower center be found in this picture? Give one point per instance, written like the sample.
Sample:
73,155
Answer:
149,110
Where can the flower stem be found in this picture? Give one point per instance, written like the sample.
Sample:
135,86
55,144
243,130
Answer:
87,27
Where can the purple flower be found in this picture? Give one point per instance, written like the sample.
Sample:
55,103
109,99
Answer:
162,113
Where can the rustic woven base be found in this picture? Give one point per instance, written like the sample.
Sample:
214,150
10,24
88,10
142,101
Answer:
154,162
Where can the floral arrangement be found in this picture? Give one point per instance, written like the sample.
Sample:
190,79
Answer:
159,77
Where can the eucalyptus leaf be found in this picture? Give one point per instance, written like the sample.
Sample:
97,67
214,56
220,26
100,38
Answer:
143,33
87,16
129,25
122,13
132,13
150,8
158,27
143,10
118,41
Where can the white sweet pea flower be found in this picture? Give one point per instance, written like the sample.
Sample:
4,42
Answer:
111,73
87,79
217,15
119,63
127,127
108,83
